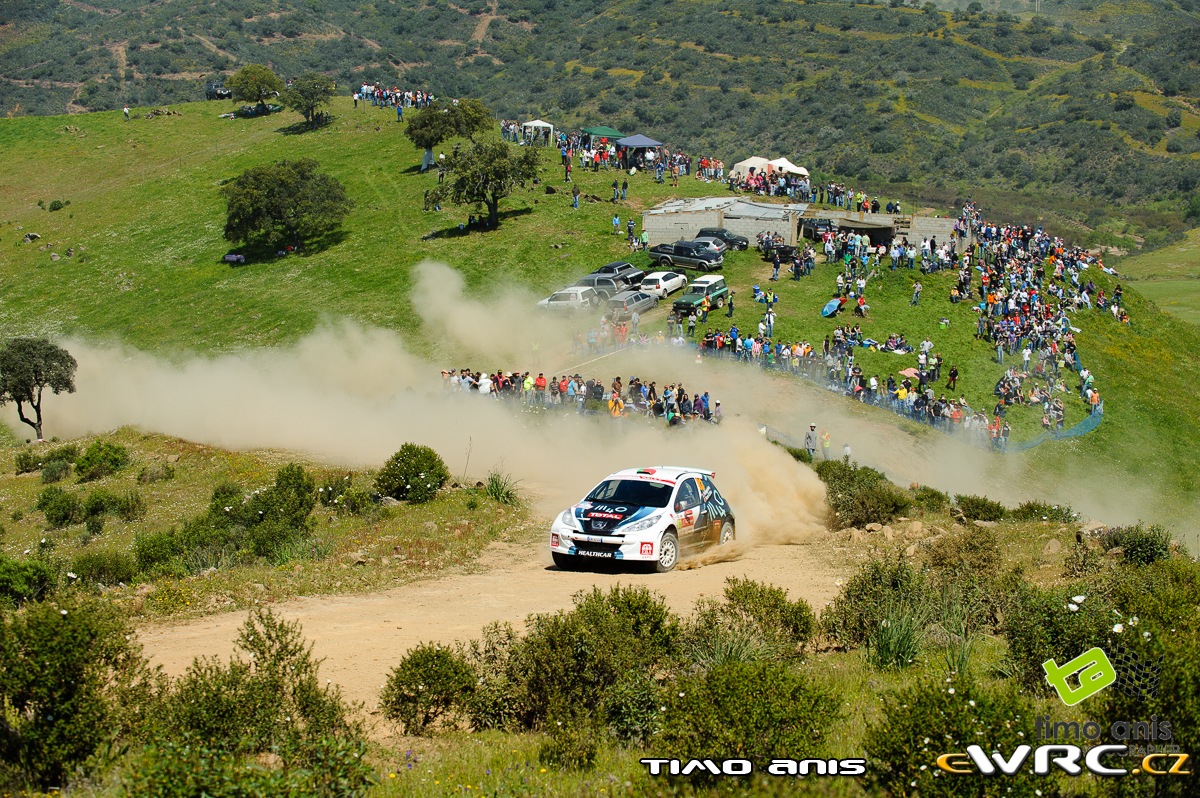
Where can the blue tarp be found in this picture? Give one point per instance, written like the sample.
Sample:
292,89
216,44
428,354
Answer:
638,140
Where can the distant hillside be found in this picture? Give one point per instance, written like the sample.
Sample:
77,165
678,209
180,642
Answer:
1096,102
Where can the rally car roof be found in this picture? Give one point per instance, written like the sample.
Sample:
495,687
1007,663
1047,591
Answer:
660,472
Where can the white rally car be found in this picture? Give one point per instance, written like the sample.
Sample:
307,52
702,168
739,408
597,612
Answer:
644,515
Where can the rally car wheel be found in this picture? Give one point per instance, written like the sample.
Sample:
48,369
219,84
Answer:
668,553
564,562
727,534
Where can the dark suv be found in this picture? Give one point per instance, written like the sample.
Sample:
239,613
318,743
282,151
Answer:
622,270
734,241
606,285
685,254
215,91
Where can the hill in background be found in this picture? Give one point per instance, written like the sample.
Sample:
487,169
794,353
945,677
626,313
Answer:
1085,116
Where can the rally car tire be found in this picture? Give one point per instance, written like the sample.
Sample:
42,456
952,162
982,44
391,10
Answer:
563,562
727,534
668,553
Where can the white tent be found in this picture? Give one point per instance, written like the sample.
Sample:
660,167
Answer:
537,125
787,167
742,168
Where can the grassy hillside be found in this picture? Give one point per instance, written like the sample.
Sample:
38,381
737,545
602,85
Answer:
1087,103
145,219
1169,276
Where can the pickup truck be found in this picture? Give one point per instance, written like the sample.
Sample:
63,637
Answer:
216,91
711,286
622,270
687,254
732,239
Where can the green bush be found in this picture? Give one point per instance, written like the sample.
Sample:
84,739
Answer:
61,508
27,461
1050,624
325,767
104,566
799,455
22,581
755,621
1082,560
98,502
864,600
62,454
71,679
970,549
1043,511
572,743
1141,545
156,472
631,707
602,639
357,501
931,500
858,495
431,684
979,508
501,488
273,703
333,488
415,473
899,638
55,471
154,549
930,718
751,710
93,527
1159,594
101,459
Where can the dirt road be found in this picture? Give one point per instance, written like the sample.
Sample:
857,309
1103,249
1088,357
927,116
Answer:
361,637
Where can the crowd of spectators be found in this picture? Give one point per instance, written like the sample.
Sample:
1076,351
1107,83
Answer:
394,97
618,399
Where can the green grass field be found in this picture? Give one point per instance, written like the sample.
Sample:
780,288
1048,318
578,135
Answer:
145,220
1170,276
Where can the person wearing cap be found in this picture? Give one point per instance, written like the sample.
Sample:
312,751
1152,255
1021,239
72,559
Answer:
717,414
810,441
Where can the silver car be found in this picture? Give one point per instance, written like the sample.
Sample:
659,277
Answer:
625,304
712,244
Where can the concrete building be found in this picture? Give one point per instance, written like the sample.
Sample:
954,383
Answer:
683,219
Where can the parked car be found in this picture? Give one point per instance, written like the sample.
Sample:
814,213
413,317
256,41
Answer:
710,285
631,274
733,240
625,304
216,91
815,228
572,300
713,244
685,254
605,285
644,515
663,284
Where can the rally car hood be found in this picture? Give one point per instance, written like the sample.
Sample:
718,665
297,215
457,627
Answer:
605,517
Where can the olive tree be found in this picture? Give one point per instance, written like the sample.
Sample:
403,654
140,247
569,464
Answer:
28,366
289,202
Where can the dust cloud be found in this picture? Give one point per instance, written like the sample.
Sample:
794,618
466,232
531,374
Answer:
351,395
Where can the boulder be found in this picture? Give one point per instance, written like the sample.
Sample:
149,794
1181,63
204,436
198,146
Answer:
911,550
888,535
1093,528
874,527
430,527
172,458
916,527
1052,547
388,501
1116,551
986,524
54,256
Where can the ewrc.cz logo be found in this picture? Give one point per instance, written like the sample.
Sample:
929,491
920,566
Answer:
1065,757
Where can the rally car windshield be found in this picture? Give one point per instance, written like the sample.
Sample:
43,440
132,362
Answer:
632,491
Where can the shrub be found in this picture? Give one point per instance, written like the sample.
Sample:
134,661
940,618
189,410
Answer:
156,472
23,580
93,527
104,566
415,473
864,600
333,489
128,506
153,549
930,718
27,461
61,508
979,508
501,488
274,702
971,549
931,500
1043,511
58,205
1050,624
72,678
55,471
631,707
101,459
858,495
749,710
754,622
1082,560
98,502
432,683
62,454
1159,594
572,743
1140,545
799,455
898,639
602,639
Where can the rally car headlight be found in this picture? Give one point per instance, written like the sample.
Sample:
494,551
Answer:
567,519
640,526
